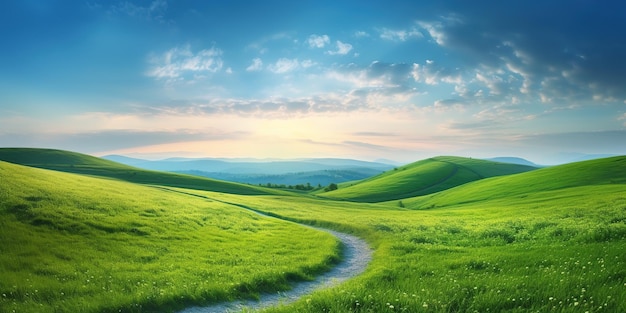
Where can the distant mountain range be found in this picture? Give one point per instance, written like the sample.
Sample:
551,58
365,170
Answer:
322,171
564,157
514,160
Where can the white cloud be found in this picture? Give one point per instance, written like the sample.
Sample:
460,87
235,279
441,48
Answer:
399,35
307,63
342,48
361,34
284,65
435,30
175,63
431,74
257,65
316,41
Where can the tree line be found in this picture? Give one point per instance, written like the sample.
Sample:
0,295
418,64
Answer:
301,187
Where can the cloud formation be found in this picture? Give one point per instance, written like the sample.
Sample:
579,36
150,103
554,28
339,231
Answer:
285,65
256,65
177,63
342,48
559,57
317,41
399,35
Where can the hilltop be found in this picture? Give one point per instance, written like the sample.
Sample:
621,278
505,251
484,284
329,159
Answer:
597,172
422,178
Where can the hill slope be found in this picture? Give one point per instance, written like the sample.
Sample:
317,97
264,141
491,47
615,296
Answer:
587,173
422,178
73,162
73,243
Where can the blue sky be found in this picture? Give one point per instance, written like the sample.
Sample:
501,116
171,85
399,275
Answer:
401,80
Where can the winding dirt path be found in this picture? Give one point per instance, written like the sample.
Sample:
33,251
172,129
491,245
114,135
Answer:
356,256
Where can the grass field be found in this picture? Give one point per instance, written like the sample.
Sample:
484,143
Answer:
71,243
422,178
548,240
562,255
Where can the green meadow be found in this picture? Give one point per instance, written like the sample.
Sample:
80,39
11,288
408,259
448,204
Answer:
421,178
72,243
468,236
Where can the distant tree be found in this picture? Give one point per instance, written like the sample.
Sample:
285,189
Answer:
400,204
331,187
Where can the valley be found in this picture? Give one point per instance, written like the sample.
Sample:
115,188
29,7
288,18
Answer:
447,234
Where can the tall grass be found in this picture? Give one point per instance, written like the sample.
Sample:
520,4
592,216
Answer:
555,251
551,240
70,243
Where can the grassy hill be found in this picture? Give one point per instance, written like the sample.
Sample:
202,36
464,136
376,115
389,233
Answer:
73,162
73,243
422,178
551,240
608,171
547,240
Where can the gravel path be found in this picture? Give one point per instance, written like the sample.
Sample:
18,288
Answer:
356,256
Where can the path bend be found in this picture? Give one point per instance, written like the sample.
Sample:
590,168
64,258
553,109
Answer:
356,256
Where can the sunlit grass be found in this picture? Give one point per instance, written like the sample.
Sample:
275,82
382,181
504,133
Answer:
71,243
560,250
422,178
551,240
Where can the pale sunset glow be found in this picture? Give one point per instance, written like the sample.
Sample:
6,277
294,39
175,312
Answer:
400,80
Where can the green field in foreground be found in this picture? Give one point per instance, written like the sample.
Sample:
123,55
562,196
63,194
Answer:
421,178
550,240
71,243
558,250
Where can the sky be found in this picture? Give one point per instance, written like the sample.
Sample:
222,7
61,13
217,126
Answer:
397,80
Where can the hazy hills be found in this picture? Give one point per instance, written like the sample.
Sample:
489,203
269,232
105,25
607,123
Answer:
322,171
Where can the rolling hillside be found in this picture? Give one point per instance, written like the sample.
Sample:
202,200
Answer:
598,172
422,178
74,243
73,162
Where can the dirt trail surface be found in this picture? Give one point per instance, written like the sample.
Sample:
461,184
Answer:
356,256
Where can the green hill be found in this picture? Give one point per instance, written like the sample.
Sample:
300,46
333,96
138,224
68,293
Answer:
74,243
422,178
73,162
599,172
